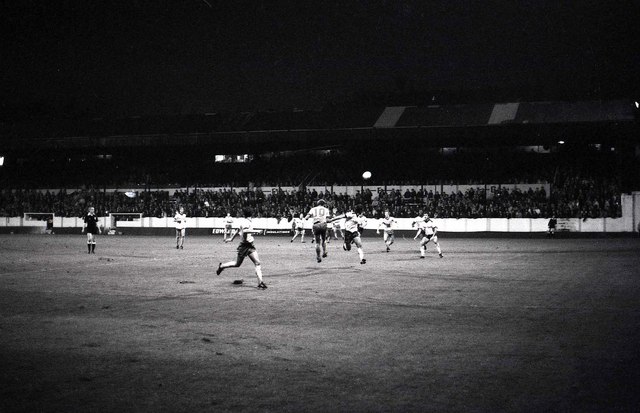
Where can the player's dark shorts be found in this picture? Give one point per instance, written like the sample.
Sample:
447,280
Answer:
350,236
428,237
320,230
228,226
92,230
245,249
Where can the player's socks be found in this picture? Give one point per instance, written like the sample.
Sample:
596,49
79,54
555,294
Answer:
219,270
93,248
361,253
89,248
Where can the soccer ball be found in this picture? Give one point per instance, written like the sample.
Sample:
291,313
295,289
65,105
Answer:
366,175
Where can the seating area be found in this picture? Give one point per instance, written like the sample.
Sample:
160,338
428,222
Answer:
579,182
576,198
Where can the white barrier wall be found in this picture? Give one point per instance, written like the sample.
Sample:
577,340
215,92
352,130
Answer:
444,224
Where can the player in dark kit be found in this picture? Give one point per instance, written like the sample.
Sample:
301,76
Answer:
90,225
246,247
49,227
553,222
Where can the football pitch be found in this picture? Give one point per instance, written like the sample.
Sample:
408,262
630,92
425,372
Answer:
497,325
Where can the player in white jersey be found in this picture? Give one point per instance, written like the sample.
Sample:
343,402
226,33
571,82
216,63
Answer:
180,220
228,227
362,222
387,224
351,233
428,229
320,214
336,226
246,247
298,228
418,219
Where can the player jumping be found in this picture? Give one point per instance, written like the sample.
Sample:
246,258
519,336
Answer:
428,229
246,247
351,233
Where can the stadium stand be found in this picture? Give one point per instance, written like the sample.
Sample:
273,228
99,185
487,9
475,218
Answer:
64,165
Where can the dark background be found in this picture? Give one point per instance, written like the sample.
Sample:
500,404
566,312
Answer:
78,58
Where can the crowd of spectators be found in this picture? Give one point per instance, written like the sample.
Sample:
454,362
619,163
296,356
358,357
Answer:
576,198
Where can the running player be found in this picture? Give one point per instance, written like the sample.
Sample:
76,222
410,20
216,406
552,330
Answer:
388,224
228,227
181,223
362,222
90,225
319,213
351,233
298,228
246,247
428,229
337,226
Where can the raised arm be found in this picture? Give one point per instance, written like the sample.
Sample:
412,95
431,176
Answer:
235,232
336,218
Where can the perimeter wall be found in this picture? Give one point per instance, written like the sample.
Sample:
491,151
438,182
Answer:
627,223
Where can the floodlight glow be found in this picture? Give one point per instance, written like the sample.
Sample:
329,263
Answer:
561,142
637,104
1,160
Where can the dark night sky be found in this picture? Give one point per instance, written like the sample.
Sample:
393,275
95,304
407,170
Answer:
191,56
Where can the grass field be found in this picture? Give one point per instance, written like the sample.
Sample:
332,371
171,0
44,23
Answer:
522,325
